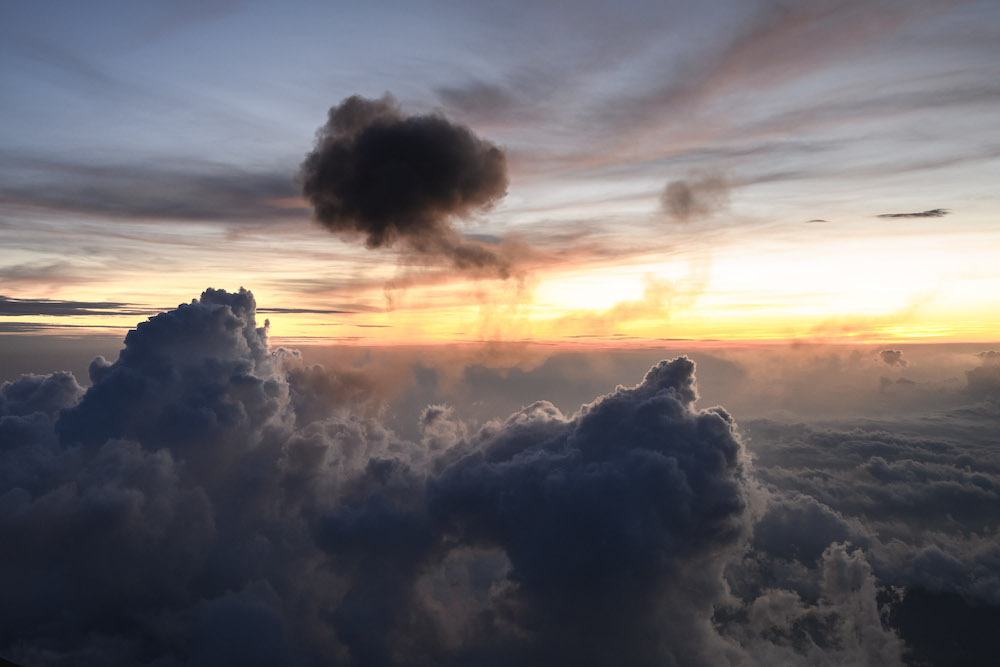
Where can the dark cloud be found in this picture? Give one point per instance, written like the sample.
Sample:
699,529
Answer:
606,517
58,308
392,178
892,358
695,198
932,213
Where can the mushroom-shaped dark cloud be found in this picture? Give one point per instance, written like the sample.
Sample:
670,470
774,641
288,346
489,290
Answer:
932,213
392,178
892,358
695,198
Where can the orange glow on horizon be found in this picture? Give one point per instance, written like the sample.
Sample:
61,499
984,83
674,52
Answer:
743,291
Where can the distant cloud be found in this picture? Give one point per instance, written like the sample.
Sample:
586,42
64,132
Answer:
695,198
54,307
33,327
392,178
918,496
816,220
932,213
893,358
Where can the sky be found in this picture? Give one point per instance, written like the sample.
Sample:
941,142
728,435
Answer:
171,136
464,333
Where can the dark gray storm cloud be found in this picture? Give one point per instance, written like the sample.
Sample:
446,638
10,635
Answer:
210,499
391,178
695,198
932,213
892,358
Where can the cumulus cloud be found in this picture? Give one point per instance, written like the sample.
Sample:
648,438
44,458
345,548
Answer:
697,197
45,394
391,178
892,358
932,213
210,499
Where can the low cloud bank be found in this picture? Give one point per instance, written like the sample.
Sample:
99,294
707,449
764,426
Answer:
210,499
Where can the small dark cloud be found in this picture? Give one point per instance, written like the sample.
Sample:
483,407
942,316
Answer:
892,358
695,198
53,307
815,220
932,213
391,178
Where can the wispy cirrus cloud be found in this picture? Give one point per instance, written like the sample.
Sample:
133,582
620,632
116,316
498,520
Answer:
200,192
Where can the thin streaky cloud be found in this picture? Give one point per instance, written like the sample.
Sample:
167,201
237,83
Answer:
932,213
58,308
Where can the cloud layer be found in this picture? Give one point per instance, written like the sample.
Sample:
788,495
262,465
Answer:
209,499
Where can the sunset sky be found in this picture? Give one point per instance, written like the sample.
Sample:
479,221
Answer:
437,334
150,151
